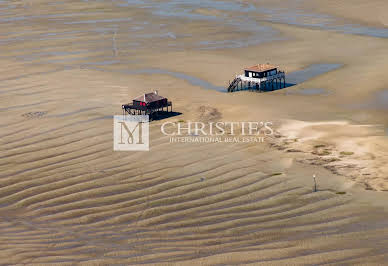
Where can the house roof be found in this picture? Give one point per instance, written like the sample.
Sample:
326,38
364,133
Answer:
260,67
149,97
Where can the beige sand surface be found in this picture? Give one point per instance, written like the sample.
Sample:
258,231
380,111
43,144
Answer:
66,197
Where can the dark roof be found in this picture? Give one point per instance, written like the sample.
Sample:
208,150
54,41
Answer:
261,68
149,97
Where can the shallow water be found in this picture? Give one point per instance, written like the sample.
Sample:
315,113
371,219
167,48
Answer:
101,41
179,75
381,99
293,14
299,17
292,78
225,24
191,79
378,101
310,72
309,91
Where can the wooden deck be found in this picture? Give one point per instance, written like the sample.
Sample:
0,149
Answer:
145,110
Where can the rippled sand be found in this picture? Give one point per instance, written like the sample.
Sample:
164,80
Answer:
66,197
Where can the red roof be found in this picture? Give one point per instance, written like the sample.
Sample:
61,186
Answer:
261,68
149,97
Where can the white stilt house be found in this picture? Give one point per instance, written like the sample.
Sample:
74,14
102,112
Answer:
260,77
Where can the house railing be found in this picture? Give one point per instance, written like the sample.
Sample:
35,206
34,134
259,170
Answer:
279,75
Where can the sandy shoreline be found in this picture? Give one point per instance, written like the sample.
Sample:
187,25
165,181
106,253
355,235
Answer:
66,197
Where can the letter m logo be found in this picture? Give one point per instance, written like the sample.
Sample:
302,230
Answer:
131,133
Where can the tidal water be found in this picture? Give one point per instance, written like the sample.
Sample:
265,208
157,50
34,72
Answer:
111,31
310,72
243,17
291,13
293,78
377,101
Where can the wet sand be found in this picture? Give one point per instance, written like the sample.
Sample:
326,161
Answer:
66,197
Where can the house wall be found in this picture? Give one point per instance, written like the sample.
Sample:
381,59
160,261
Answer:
155,104
261,74
158,104
136,102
